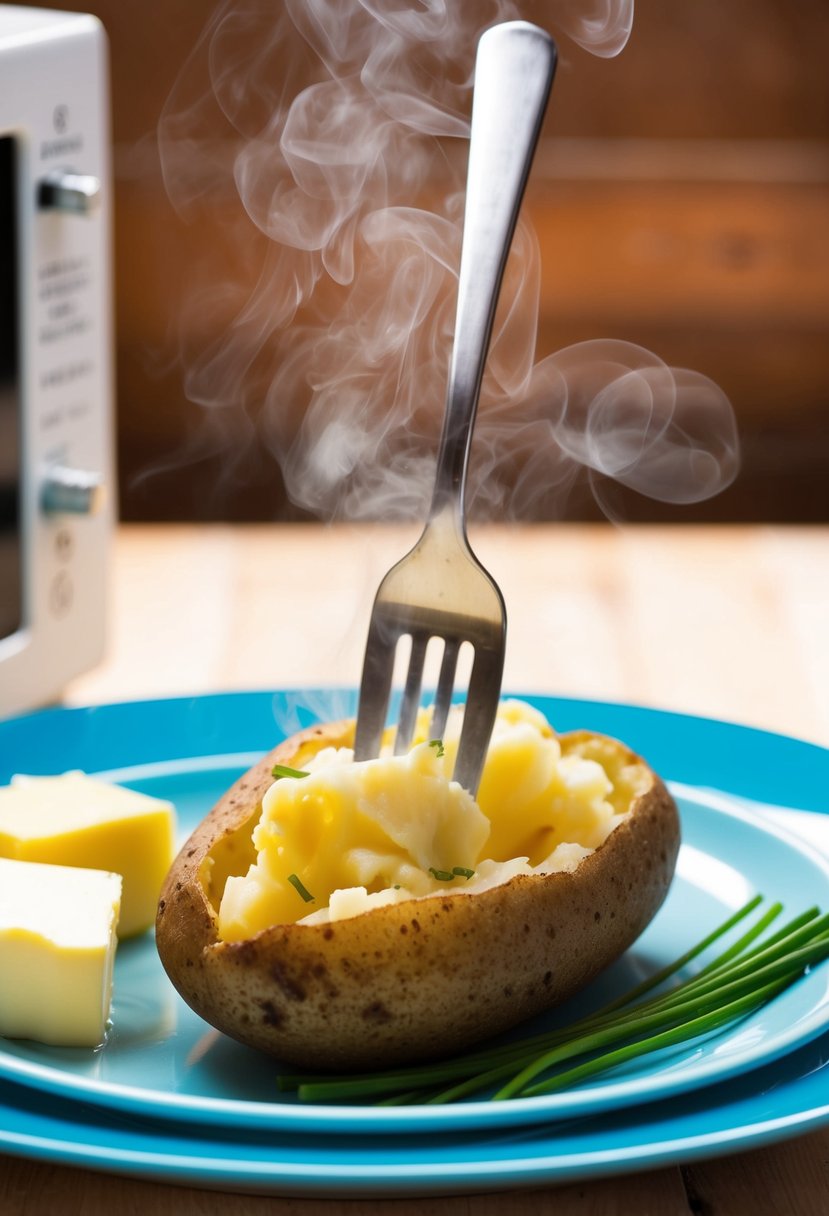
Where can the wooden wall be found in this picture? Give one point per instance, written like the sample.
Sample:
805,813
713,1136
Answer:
681,198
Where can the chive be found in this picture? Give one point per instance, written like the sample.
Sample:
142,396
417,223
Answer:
285,770
441,875
668,1038
746,975
437,744
672,1011
660,976
451,875
296,882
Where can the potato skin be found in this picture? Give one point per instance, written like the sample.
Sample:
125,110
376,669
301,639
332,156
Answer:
419,979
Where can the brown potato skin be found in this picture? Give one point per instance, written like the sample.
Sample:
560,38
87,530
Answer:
419,979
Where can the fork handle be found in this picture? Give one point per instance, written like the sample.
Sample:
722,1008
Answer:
513,75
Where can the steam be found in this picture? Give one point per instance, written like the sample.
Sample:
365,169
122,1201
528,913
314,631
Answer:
326,133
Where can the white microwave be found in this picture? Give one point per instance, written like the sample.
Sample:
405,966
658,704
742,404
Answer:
56,445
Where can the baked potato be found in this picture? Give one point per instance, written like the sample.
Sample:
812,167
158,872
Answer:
417,961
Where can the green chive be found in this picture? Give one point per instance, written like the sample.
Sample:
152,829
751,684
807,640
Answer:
296,882
437,744
441,875
668,1038
462,872
285,770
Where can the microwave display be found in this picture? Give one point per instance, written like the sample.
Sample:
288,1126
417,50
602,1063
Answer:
10,402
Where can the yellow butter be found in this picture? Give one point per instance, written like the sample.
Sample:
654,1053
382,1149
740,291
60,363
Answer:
76,820
351,836
57,950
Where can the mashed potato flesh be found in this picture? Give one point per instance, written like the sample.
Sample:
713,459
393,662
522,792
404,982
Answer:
351,836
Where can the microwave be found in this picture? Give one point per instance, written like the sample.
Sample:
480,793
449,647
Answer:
56,444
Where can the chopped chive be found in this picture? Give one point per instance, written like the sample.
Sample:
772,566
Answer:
750,972
285,770
451,875
296,882
437,744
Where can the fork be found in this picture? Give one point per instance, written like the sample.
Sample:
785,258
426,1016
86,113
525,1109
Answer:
439,589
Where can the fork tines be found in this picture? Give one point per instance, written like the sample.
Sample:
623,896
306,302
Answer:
392,622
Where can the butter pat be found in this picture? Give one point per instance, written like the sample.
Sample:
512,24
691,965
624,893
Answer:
57,949
75,820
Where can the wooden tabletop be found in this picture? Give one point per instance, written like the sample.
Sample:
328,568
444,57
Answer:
726,622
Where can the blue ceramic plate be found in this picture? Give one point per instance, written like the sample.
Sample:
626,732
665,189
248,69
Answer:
162,1061
785,1099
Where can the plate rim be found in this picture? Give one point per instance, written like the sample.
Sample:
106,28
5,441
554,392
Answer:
397,1178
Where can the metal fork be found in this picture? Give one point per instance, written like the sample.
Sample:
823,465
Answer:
440,590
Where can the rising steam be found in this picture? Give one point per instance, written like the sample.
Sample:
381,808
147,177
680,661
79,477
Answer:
327,132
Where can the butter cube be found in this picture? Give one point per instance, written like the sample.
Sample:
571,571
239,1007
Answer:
57,950
75,820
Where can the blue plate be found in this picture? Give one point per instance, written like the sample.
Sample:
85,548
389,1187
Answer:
161,1059
180,743
786,1099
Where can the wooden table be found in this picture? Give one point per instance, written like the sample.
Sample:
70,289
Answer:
726,622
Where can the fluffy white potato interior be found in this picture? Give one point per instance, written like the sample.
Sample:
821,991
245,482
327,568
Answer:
377,825
351,836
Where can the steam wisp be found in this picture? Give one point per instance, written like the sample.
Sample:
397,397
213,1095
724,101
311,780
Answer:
326,132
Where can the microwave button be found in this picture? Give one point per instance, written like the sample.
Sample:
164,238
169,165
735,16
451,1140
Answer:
77,193
71,492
